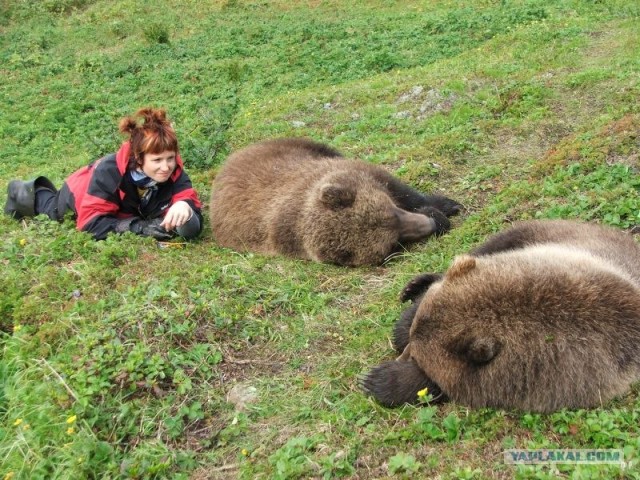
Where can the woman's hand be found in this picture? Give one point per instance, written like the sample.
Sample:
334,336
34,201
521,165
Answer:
179,213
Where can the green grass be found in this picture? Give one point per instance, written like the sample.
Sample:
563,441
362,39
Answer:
118,357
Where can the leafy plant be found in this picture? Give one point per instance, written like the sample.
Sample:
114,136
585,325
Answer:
156,33
403,463
290,460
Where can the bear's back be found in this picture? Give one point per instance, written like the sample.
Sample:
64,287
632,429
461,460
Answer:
614,246
273,164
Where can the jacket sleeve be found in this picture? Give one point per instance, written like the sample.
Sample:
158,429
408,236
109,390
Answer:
183,191
100,226
98,208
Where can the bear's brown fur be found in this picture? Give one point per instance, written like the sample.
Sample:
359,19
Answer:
302,199
543,316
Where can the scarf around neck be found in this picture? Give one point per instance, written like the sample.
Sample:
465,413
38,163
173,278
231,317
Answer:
141,180
146,186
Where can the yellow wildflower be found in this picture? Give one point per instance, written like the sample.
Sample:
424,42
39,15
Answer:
23,242
423,393
17,422
9,475
245,452
17,328
26,426
70,431
71,419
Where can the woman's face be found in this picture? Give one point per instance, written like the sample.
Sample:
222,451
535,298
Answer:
159,166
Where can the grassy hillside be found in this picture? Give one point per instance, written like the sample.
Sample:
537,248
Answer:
123,360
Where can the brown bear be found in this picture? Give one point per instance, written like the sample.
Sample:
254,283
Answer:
543,316
300,198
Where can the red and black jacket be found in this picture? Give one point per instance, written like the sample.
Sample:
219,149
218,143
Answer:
102,193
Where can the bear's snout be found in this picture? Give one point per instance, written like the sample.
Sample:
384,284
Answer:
414,226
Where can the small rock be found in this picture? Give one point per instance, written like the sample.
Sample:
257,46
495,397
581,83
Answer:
404,114
436,102
413,94
298,124
241,395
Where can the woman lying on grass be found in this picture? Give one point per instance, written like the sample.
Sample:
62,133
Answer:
142,188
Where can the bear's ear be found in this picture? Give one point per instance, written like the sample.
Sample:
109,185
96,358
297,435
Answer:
461,265
476,350
337,196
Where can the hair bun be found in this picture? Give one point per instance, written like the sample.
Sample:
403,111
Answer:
153,117
128,125
145,119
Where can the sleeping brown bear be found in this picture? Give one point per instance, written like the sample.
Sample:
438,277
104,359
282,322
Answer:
300,198
543,316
